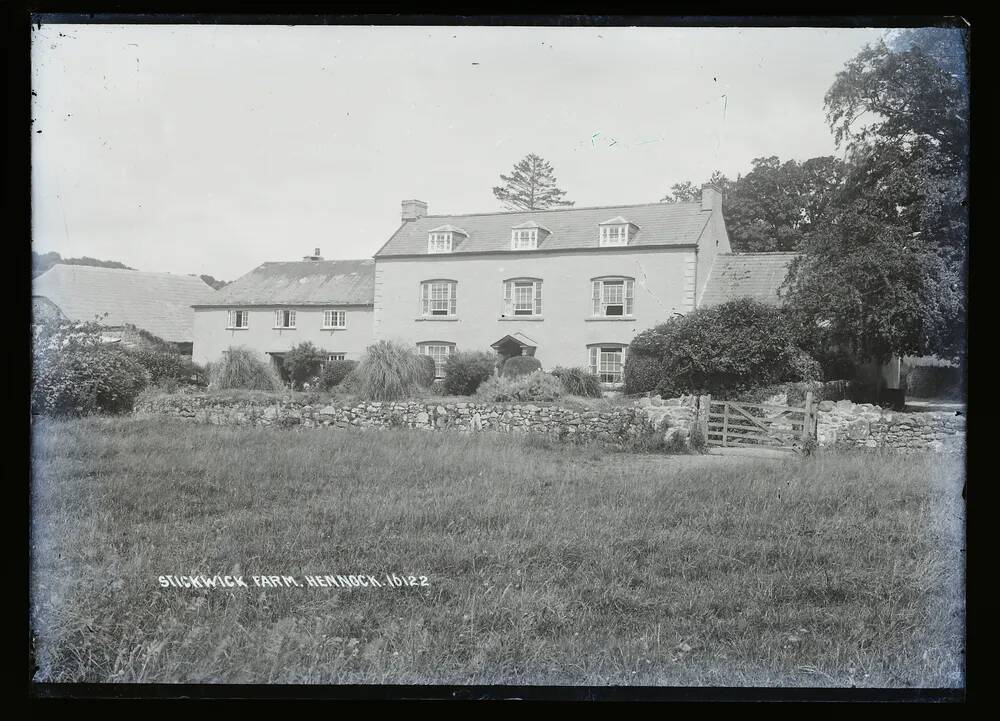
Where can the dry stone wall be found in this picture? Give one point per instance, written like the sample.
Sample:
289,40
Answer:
614,425
863,425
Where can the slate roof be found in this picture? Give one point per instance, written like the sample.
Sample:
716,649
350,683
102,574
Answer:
157,302
304,282
736,275
570,228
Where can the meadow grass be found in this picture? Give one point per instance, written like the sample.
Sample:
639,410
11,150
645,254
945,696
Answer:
546,565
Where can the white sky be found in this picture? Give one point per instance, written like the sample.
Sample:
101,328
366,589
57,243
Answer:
211,149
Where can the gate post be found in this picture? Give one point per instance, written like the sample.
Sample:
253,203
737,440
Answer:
706,404
807,424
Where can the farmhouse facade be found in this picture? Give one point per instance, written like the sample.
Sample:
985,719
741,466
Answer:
570,286
279,305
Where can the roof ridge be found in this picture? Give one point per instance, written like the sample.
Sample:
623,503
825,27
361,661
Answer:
91,268
764,252
561,210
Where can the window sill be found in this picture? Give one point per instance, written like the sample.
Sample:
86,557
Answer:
234,327
334,327
436,317
630,318
282,327
521,317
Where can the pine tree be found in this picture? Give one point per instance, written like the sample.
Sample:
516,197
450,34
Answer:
530,186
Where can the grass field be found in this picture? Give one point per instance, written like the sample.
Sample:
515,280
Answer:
545,564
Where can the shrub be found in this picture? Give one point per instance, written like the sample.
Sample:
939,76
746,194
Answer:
388,371
520,365
303,363
351,382
465,371
537,386
169,369
579,382
722,349
84,380
696,440
935,382
335,371
428,371
642,373
242,368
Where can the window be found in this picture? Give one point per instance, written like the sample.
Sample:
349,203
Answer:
607,363
526,239
614,235
284,319
439,243
522,297
437,298
439,352
239,319
335,357
334,319
613,296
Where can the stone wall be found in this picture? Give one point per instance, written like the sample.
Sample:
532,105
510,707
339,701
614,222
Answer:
613,425
864,425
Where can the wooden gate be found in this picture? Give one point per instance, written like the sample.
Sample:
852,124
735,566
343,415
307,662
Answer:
757,425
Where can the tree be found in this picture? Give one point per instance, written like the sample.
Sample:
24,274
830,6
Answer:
723,349
303,363
887,275
530,186
217,284
776,205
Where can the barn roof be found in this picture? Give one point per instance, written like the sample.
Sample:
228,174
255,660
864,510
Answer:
156,302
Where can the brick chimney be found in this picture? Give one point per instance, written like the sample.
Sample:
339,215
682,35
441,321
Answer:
314,256
711,197
413,209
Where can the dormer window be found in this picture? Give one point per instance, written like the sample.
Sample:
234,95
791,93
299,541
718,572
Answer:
527,236
443,240
439,243
616,231
524,239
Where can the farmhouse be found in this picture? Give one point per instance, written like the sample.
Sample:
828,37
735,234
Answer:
278,305
570,286
125,301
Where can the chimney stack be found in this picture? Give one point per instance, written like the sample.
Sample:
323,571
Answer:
314,256
711,197
414,209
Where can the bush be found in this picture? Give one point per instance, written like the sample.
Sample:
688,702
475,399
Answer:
334,372
80,381
579,382
244,369
388,371
642,373
520,365
537,386
351,382
465,371
935,382
721,350
303,363
169,369
428,371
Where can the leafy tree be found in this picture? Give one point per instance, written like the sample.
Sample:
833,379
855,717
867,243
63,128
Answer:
42,262
217,284
776,205
530,186
303,363
887,275
685,192
720,349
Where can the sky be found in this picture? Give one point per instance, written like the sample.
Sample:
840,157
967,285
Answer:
212,149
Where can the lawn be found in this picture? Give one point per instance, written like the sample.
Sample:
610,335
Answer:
545,564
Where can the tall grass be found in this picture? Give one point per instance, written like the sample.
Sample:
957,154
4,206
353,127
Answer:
243,369
572,565
389,371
